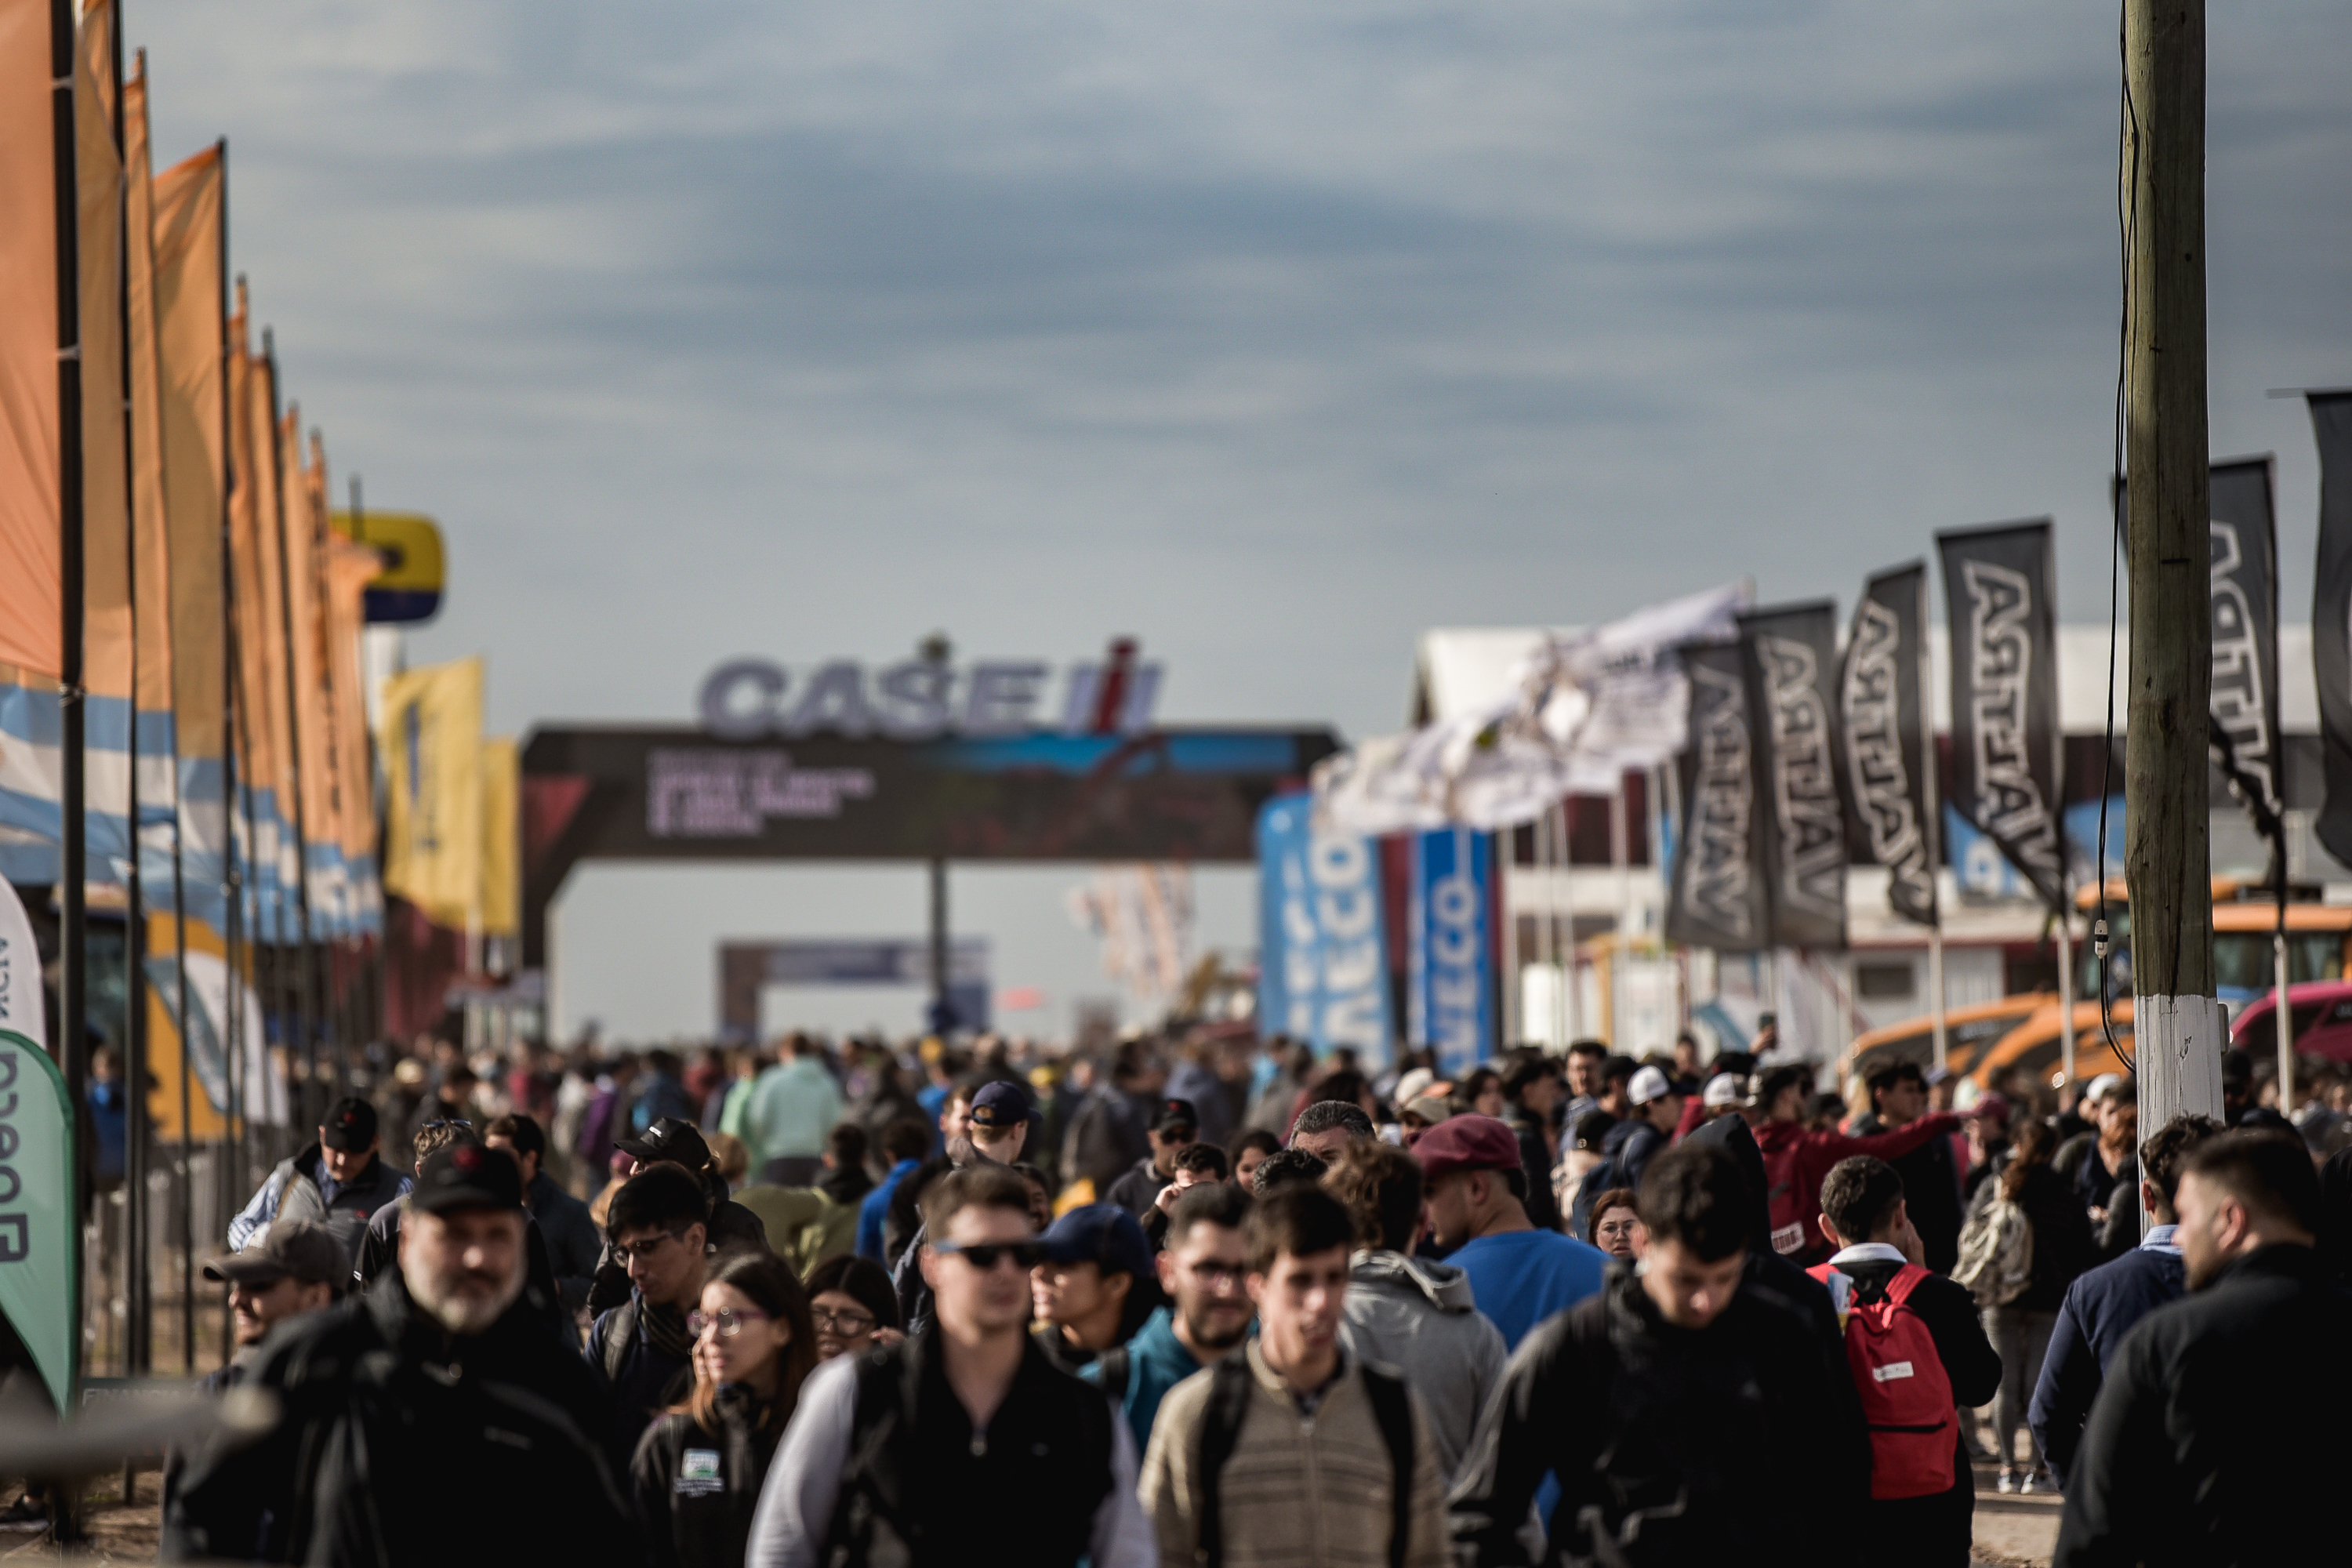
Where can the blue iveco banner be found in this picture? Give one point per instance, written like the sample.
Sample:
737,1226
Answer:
1451,1007
1321,978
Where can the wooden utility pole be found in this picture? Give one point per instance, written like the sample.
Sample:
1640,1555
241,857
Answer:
2177,1023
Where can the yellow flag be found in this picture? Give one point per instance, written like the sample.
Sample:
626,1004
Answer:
501,829
31,564
191,337
431,741
152,551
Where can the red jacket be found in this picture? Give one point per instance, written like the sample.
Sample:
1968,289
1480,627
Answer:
1795,1161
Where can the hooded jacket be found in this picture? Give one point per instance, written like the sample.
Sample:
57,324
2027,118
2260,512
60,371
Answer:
397,1442
1671,1445
696,1490
1418,1317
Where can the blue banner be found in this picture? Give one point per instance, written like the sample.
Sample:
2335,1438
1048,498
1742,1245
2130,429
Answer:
1321,975
1451,1005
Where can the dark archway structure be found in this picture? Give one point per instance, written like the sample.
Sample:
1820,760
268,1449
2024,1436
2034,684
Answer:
679,794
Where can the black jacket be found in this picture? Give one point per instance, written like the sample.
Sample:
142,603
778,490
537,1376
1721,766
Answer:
2217,1437
1535,1163
398,1443
915,1480
1671,1445
1137,1190
697,1490
574,1247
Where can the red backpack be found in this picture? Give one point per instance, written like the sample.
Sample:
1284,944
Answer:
1906,1397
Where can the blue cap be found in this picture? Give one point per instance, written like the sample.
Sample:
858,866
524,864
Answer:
1102,1234
999,1104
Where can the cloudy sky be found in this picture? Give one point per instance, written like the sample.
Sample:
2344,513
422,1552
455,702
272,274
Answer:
1272,333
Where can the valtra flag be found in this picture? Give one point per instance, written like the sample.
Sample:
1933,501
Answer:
1793,676
2331,615
1718,896
1882,698
1998,586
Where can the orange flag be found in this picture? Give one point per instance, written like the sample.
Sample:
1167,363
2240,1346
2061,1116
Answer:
31,497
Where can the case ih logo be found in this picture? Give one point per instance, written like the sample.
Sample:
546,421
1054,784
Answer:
921,699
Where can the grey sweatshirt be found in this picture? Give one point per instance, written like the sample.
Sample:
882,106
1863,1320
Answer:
1417,1318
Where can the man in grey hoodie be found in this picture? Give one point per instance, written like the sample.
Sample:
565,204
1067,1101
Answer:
1412,1314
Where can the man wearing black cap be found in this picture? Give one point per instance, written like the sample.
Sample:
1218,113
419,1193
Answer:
338,1181
731,1227
1173,1124
998,1122
431,1420
640,1348
298,1268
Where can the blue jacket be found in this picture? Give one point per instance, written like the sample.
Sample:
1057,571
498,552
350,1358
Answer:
1157,1362
2101,1307
875,1210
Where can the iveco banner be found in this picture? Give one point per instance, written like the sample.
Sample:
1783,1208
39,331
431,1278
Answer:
1717,898
1448,1002
1881,697
2331,615
2005,749
2244,564
1322,970
1792,668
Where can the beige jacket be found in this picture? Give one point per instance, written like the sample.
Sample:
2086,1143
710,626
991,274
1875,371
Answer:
1299,1490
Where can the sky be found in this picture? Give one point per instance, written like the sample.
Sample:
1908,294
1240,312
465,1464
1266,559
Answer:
1273,334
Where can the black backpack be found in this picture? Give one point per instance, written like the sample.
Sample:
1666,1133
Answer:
1229,1396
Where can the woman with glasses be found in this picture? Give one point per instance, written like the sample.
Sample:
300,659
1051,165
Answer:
854,1306
699,1466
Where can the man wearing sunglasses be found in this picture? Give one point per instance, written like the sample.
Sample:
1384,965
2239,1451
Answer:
641,1349
895,1453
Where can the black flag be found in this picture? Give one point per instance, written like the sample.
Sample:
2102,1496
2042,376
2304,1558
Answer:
2331,615
2244,561
1717,899
2005,751
1882,695
1792,671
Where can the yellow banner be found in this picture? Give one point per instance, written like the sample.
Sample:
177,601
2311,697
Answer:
190,335
151,554
31,570
431,741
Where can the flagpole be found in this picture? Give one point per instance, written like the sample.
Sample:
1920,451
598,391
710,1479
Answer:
1931,789
1620,954
1506,854
305,997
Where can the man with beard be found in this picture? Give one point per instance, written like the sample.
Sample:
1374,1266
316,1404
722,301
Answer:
1201,1269
431,1420
2211,1441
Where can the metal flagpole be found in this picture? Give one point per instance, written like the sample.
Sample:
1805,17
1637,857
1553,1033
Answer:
1620,954
72,1043
1931,785
1506,850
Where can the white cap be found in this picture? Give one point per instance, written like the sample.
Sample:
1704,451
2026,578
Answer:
1724,1089
2105,1084
1649,1084
1412,1085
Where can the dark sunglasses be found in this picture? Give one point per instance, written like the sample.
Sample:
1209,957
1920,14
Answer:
984,1255
437,1126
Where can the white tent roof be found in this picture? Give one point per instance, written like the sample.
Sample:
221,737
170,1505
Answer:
1460,670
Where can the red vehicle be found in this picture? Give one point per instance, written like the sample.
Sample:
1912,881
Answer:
2322,1022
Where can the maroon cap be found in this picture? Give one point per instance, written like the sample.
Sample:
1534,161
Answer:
1469,1142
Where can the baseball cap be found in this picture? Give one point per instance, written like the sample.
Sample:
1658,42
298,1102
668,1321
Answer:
671,1138
1414,1084
294,1248
1467,1143
467,1175
2105,1084
1432,1108
1175,1113
1101,1234
1724,1089
349,1125
1000,1105
1649,1084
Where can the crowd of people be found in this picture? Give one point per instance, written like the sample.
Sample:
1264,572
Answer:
1208,1300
